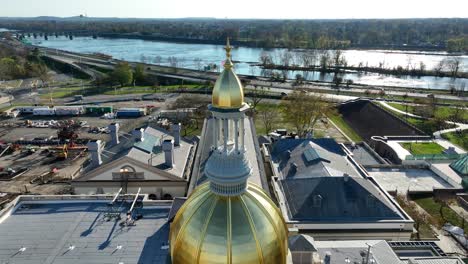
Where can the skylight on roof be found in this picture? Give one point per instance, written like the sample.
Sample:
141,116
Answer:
311,155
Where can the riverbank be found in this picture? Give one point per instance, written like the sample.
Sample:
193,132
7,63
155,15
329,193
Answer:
398,71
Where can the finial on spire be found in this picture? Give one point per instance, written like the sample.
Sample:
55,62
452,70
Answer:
228,63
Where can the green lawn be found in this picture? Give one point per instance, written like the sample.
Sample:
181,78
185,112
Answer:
433,208
444,112
427,126
423,148
459,139
338,120
402,107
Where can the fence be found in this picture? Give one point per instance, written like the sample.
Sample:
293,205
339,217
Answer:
435,157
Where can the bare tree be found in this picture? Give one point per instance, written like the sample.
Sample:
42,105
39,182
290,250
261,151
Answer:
439,67
257,95
265,58
269,117
198,63
303,110
285,58
157,60
454,65
173,62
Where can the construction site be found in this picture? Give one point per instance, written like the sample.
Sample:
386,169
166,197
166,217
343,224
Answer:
41,154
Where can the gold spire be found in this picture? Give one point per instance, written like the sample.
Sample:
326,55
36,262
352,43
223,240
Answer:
228,63
228,91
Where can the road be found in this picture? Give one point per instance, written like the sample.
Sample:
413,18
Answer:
197,76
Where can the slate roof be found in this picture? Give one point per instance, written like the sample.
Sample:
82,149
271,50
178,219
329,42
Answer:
75,232
301,243
461,165
320,183
147,151
335,199
305,158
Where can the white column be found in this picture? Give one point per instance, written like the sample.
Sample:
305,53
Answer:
236,134
216,131
242,133
226,134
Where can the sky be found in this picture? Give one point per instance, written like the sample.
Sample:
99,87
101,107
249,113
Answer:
301,9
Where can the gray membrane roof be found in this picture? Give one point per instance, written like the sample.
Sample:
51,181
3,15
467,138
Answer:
48,231
381,252
362,155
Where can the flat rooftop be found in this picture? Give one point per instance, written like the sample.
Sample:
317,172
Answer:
77,231
363,155
404,179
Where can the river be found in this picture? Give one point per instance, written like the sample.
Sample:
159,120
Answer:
186,54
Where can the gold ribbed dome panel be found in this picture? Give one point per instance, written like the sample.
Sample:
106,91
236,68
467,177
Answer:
228,91
209,228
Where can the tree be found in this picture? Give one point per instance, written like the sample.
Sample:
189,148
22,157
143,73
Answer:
122,74
42,72
265,58
198,63
8,68
454,65
439,67
157,60
303,110
382,93
348,83
299,80
457,112
173,62
257,95
337,80
269,117
139,76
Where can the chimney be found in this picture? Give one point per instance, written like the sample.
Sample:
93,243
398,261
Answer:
138,134
327,258
176,133
95,148
168,148
346,177
114,133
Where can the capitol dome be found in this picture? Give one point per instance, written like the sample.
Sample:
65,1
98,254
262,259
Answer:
210,228
228,92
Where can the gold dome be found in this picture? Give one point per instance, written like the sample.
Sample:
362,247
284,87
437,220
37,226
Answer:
210,228
228,91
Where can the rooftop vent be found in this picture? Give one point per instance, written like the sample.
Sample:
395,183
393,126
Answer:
317,201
